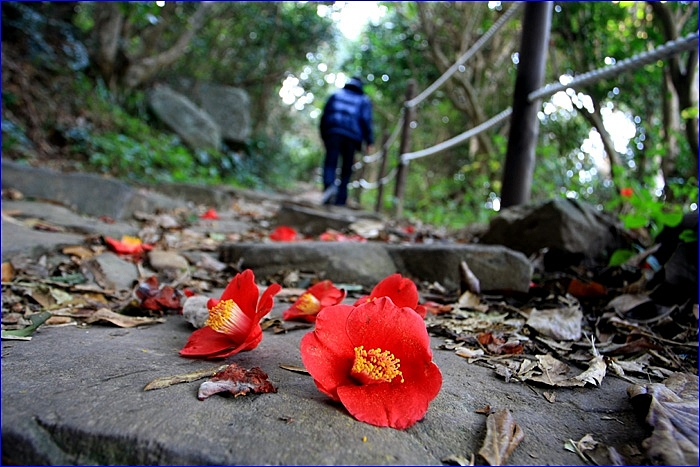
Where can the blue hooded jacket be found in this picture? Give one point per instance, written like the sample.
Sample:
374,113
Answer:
349,112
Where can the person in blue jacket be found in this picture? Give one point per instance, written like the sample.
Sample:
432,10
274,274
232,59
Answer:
345,124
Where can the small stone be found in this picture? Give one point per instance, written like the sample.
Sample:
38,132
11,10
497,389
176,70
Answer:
161,260
195,310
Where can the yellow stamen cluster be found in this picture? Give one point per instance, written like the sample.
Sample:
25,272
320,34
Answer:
222,318
375,366
308,304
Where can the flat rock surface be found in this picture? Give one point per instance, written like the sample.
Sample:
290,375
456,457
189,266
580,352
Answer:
74,395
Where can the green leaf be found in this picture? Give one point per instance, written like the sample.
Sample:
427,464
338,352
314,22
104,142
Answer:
634,221
36,319
690,112
688,236
670,219
620,256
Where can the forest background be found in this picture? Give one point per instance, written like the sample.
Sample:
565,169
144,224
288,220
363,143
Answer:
75,75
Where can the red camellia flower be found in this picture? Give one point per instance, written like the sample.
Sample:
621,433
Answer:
234,320
316,298
376,360
128,245
626,192
401,290
210,214
283,233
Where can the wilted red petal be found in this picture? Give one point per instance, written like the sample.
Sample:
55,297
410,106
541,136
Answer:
283,233
210,214
236,380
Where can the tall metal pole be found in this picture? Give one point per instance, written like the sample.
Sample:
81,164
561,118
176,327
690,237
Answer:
402,173
524,124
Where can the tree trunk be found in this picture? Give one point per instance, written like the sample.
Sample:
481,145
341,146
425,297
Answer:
596,119
682,74
140,70
524,124
108,27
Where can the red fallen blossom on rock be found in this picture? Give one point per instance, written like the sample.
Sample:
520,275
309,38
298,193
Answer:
437,308
283,233
316,298
156,298
401,290
234,320
210,214
127,245
236,380
376,360
334,236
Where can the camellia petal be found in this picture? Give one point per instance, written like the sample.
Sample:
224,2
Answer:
327,352
283,233
317,297
376,360
401,290
234,320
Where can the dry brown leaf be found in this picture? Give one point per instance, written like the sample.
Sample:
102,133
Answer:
502,437
167,381
471,301
294,368
80,251
123,321
457,460
562,324
8,272
468,278
671,409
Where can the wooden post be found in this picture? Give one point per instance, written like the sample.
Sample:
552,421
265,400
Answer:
524,124
402,174
359,176
382,170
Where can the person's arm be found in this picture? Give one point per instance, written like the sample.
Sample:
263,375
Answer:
366,125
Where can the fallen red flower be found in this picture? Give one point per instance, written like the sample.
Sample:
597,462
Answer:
283,233
156,298
376,360
401,290
626,192
236,380
316,298
210,214
335,236
127,245
234,320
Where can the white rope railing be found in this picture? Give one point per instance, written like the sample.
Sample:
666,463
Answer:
483,40
689,42
466,56
459,139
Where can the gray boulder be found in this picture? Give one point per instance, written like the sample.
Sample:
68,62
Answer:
497,268
89,194
196,128
228,106
565,225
